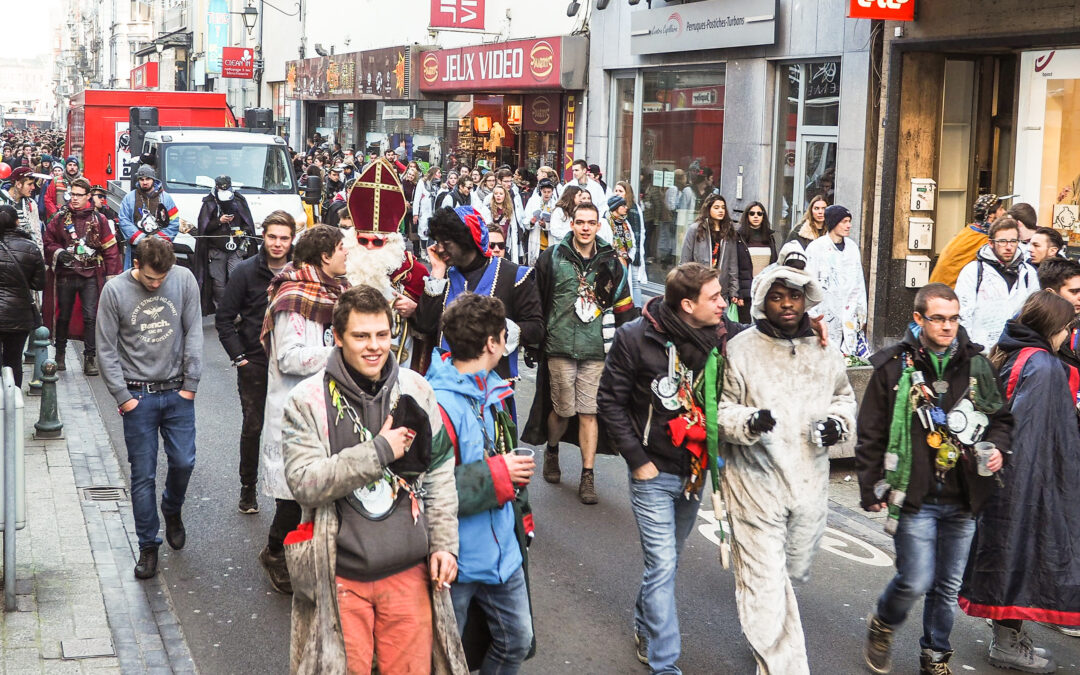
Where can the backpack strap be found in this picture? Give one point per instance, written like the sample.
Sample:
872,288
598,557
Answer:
449,426
1018,366
979,276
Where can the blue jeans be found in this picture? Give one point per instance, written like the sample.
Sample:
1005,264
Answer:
174,416
931,552
509,620
665,519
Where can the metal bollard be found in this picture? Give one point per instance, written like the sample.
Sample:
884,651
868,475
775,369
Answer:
49,424
39,341
11,392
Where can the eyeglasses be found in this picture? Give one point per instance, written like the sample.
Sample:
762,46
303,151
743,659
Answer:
373,242
78,194
939,320
755,213
501,245
1006,242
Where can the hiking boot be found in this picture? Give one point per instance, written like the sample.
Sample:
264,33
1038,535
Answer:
175,533
934,663
146,568
90,366
249,503
59,358
276,570
586,491
641,647
1013,649
552,474
876,651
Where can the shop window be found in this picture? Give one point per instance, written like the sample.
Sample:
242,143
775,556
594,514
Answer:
415,129
1060,190
807,126
622,129
485,130
680,146
954,158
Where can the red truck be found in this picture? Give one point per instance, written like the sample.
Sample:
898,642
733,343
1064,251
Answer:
97,124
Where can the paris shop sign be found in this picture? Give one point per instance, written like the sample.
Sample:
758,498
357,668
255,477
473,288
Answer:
517,65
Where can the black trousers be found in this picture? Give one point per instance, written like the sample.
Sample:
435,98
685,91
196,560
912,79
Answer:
286,518
251,383
69,286
11,352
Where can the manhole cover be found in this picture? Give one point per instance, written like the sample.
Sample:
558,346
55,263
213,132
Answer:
104,494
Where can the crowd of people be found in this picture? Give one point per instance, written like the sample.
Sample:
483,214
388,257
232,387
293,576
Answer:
377,356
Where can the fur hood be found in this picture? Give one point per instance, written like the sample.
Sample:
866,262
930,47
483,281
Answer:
785,271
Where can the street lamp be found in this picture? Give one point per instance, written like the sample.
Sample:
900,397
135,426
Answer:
250,15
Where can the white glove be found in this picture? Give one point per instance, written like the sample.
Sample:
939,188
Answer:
513,337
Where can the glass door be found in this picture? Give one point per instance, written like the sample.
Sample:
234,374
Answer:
816,168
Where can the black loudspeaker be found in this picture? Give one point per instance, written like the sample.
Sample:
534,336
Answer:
259,118
140,120
312,189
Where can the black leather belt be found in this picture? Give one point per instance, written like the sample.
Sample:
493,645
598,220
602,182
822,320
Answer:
155,387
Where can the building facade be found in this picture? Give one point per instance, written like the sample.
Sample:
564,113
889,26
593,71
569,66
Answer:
972,102
765,100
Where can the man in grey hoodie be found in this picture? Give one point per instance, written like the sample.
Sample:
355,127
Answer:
150,342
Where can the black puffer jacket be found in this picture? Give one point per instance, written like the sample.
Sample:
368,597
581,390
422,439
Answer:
21,252
240,316
626,403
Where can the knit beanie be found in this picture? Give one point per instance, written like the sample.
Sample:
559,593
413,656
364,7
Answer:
834,214
614,202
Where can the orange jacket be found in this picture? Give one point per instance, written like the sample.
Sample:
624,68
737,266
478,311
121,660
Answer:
961,250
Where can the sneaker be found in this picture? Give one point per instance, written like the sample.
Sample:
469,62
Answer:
175,533
587,488
641,647
876,651
90,366
277,570
934,663
1013,649
146,568
1071,631
249,503
552,474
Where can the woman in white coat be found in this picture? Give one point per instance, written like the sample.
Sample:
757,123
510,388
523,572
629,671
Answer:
423,203
835,262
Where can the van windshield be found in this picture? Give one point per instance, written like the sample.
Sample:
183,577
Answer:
186,166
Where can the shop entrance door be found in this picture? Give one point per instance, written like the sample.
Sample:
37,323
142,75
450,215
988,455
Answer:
1047,166
816,171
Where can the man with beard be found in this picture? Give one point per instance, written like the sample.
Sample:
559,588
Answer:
239,320
378,256
333,185
226,236
776,472
147,209
81,249
19,196
53,199
461,261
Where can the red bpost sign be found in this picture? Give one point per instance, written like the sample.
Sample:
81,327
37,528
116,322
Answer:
238,62
889,10
457,14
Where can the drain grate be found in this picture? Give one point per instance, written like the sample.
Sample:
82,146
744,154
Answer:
104,494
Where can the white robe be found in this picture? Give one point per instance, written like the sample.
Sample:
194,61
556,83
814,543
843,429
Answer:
840,274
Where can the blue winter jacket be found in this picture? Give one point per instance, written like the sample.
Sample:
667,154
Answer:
489,551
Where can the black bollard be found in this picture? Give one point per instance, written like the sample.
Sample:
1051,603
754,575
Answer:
48,424
39,342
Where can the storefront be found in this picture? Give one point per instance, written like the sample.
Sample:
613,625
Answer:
728,96
511,103
971,110
365,101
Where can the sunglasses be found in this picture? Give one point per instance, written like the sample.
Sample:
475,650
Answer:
374,242
501,245
756,213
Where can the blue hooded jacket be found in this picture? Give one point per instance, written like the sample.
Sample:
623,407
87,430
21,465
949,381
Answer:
489,551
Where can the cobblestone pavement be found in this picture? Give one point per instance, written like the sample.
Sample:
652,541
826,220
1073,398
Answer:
80,608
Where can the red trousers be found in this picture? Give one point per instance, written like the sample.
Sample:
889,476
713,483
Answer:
390,618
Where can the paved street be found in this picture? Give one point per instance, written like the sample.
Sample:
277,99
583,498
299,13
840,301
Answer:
586,563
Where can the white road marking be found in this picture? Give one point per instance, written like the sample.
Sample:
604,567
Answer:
834,541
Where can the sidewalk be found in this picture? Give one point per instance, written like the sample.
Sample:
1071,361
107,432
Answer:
80,608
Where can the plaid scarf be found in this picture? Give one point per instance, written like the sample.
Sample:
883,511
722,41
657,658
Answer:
305,290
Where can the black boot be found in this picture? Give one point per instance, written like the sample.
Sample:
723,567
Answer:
60,365
147,565
175,533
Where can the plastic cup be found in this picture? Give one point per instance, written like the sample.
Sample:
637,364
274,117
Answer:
525,452
983,452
